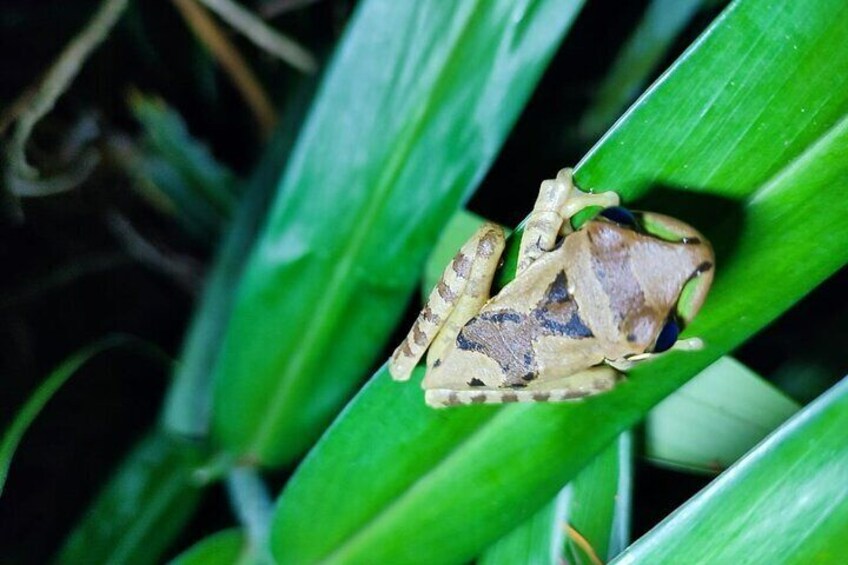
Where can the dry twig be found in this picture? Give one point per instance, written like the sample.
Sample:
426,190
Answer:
262,34
231,61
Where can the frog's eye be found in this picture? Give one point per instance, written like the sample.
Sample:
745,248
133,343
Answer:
667,337
621,215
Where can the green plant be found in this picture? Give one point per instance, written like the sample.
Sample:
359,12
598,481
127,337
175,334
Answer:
743,136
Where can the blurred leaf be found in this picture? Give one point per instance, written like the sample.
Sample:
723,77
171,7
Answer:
414,107
252,504
785,502
227,547
45,391
662,23
200,189
538,541
142,508
715,418
392,479
189,402
599,505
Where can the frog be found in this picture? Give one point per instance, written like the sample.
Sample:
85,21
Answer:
587,303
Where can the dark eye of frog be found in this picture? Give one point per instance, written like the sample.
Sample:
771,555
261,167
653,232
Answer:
622,216
668,336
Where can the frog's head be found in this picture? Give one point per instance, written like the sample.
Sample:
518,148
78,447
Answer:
673,264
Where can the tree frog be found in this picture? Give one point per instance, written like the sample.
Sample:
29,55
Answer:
585,305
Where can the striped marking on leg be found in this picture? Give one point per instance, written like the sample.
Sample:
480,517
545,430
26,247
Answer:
440,303
599,383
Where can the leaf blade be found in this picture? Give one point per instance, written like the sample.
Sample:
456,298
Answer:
44,392
785,501
505,478
142,508
413,73
715,418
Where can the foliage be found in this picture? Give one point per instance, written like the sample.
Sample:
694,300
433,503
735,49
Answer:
319,249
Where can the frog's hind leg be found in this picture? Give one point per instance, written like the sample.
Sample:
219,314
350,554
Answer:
594,380
459,295
557,202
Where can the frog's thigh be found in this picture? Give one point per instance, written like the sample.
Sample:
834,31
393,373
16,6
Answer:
594,380
464,275
476,293
557,202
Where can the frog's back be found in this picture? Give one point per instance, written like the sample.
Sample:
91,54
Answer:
603,294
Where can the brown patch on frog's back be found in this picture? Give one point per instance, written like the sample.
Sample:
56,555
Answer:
610,251
508,337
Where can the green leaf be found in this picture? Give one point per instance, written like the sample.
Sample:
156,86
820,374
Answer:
754,111
715,418
661,24
141,509
188,405
179,169
252,504
45,391
594,509
599,506
223,548
413,109
785,502
538,541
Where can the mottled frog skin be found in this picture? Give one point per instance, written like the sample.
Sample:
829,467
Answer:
584,305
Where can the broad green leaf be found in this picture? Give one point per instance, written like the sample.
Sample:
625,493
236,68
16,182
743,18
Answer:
661,24
588,521
538,541
188,405
785,502
414,107
227,547
45,391
754,111
598,509
177,168
141,509
715,418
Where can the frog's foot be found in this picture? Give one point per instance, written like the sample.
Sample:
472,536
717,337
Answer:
595,380
463,288
558,201
627,363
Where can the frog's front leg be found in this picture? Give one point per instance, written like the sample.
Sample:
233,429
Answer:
462,290
627,363
558,201
589,382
